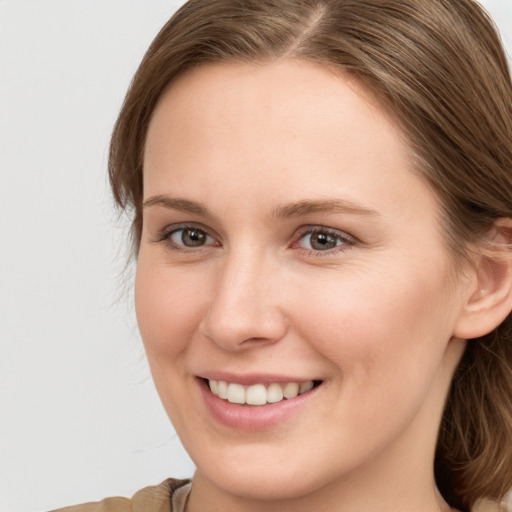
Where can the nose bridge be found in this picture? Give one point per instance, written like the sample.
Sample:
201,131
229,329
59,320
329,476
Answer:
243,307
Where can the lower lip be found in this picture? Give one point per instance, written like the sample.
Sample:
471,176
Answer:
252,417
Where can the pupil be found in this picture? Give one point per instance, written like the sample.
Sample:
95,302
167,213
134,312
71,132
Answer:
193,237
322,241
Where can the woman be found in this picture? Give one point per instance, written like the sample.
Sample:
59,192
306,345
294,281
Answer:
322,222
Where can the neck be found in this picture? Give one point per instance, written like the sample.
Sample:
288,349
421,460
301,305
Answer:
367,491
209,497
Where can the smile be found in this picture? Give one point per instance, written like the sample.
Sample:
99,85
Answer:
259,394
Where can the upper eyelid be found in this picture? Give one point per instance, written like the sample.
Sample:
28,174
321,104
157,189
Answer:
300,232
171,228
163,235
316,228
348,241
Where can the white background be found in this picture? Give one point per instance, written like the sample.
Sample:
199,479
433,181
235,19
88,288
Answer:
79,417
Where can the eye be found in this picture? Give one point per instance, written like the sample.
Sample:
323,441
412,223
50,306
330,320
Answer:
190,237
323,239
187,237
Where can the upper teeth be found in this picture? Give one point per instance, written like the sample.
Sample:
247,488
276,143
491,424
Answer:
258,394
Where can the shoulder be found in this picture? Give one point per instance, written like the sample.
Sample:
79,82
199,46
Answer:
156,498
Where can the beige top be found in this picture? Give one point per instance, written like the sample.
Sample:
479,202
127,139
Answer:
170,496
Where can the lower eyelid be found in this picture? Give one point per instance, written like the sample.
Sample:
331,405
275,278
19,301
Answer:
166,234
342,238
208,240
344,241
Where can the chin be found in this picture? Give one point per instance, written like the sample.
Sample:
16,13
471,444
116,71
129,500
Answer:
262,482
261,473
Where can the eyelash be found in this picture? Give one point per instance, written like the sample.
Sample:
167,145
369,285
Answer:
343,240
166,234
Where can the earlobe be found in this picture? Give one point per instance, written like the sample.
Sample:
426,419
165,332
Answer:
489,301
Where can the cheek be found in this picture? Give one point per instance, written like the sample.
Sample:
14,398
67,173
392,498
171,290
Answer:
385,339
381,326
168,305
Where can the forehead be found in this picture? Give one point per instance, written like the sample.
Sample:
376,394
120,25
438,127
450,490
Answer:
282,129
225,91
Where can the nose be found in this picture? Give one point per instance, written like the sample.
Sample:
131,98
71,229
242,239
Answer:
245,310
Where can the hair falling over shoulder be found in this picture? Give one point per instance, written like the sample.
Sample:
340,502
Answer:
440,69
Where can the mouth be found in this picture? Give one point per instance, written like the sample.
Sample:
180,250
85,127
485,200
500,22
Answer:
259,394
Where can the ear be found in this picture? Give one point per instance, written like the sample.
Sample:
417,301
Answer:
489,297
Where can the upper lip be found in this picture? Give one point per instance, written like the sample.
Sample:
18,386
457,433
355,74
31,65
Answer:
248,379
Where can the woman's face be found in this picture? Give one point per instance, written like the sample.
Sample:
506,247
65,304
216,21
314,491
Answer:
287,242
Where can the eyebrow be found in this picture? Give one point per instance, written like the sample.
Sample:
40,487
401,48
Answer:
292,210
327,205
179,204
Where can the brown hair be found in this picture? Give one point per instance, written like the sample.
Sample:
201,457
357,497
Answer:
439,66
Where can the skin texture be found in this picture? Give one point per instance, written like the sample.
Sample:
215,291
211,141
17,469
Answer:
374,318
